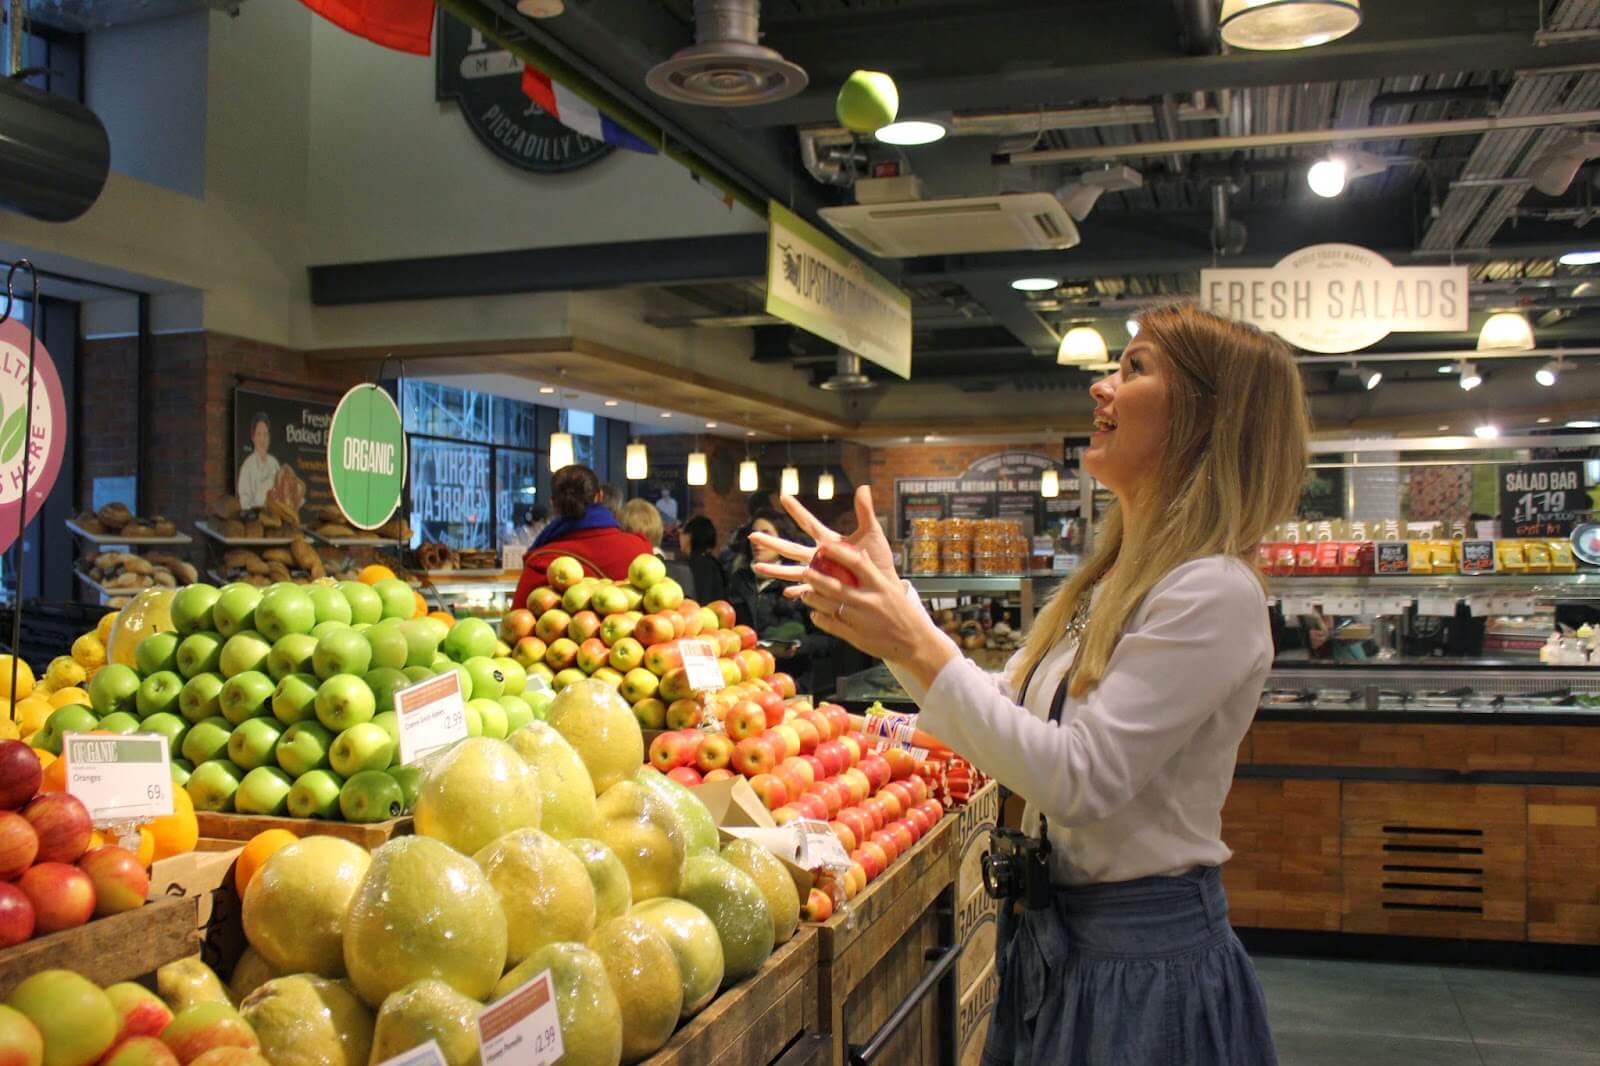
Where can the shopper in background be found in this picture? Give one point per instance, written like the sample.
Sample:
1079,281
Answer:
612,497
640,516
697,540
759,602
738,542
1121,718
527,522
582,528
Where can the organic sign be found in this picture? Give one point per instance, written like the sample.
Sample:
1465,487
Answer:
1339,297
367,456
1541,499
280,450
42,443
120,779
813,283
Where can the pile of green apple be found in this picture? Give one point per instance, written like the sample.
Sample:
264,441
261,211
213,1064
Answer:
281,700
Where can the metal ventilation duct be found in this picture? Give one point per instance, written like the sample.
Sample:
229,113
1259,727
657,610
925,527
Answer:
847,375
726,66
81,16
56,154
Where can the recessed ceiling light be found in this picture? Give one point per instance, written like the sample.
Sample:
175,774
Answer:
1487,431
1584,423
666,414
612,403
1035,284
1441,429
1543,420
749,432
1578,259
547,390
911,132
711,425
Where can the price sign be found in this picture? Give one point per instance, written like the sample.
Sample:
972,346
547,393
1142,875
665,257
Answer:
1394,557
1477,557
523,1028
700,663
1063,563
422,1055
1436,605
1541,499
120,779
430,716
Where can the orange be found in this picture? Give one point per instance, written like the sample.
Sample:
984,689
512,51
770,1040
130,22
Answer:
55,776
446,617
178,832
373,573
96,840
256,852
422,605
45,758
147,846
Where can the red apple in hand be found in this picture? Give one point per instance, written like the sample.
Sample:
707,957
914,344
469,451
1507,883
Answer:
62,895
19,845
16,915
63,825
120,881
19,774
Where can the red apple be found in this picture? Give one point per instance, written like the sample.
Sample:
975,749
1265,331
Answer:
593,654
809,736
793,780
833,756
654,629
687,776
875,811
813,806
876,767
865,861
19,845
818,907
747,636
721,773
799,766
19,774
746,719
833,796
63,825
819,772
887,841
529,650
847,836
852,749
901,763
903,795
782,684
769,663
62,895
150,1051
516,625
905,831
856,781
585,626
789,812
119,879
752,756
918,786
859,821
751,662
16,915
725,613
670,751
772,706
660,658
879,854
769,787
918,817
692,623
716,751
837,716
819,722
675,685
683,714
142,1014
785,741
933,809
543,599
204,1027
893,806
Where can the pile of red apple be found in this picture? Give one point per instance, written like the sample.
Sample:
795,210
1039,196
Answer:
804,762
50,879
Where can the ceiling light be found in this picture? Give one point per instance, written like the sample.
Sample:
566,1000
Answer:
1050,483
1580,259
1543,420
789,481
638,462
1548,374
1326,177
666,414
825,486
910,132
1505,331
1447,368
711,425
1487,431
612,403
547,390
1584,423
1442,429
560,451
1081,344
1371,377
541,9
1133,327
1035,284
1470,378
749,476
1280,25
1553,171
696,474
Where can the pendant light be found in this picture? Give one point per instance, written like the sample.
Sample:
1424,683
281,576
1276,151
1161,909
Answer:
749,476
825,479
638,464
696,474
1081,344
1505,331
560,451
1283,25
1050,484
789,479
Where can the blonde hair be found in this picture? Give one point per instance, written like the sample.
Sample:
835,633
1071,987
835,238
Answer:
1232,470
641,517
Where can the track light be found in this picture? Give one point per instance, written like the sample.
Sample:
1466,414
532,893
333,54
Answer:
560,451
1548,374
696,474
1035,284
1081,344
1470,378
1328,177
1580,259
1505,331
1050,484
1282,25
1487,431
910,132
1583,423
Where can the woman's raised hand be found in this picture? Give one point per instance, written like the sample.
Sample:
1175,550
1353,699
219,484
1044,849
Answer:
868,539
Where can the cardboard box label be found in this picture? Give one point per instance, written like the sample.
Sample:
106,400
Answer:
430,715
522,1028
120,779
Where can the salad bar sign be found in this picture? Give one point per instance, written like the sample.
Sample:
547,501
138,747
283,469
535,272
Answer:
1541,499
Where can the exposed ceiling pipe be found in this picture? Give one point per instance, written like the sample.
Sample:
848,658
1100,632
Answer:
1291,138
1227,235
1488,95
1199,18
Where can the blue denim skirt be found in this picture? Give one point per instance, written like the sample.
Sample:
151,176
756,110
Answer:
1135,973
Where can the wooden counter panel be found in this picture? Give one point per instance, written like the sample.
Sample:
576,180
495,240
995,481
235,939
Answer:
1546,749
1285,872
1564,865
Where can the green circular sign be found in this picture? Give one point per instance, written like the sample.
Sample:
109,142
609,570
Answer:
367,456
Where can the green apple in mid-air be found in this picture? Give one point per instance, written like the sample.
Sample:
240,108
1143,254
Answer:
114,688
285,610
253,742
199,653
245,696
471,637
371,796
235,609
191,608
329,605
158,693
303,748
315,794
212,785
264,790
365,604
868,101
291,654
295,699
207,740
343,651
245,650
388,644
120,722
157,652
365,746
344,700
201,697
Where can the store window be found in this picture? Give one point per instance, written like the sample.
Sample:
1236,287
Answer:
581,424
52,58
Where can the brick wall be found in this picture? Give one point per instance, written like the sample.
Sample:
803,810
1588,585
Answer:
104,421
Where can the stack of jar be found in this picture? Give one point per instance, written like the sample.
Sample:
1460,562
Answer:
922,551
999,547
955,544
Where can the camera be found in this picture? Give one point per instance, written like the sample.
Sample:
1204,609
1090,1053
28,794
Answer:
1017,867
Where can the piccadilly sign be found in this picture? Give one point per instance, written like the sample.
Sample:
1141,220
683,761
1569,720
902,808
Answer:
1339,297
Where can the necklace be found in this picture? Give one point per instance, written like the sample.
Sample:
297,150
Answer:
1080,615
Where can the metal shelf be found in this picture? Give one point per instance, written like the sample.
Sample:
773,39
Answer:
118,540
953,584
1436,582
242,542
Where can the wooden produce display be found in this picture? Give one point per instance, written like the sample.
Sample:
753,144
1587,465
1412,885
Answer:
241,827
107,950
977,924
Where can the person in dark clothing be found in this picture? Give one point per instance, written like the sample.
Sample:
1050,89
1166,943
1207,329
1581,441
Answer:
759,503
697,543
800,648
582,528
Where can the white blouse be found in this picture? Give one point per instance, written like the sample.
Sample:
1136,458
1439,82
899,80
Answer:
1133,778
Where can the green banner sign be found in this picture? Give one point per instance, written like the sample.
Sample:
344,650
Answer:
367,456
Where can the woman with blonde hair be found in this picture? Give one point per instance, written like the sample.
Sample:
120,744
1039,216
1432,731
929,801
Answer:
1120,719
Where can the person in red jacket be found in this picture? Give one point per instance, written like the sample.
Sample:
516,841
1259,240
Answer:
583,528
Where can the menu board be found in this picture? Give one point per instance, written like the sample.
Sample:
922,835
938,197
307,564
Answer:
1003,485
1541,499
280,450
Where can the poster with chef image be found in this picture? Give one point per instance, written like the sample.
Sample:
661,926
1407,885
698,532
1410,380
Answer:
280,452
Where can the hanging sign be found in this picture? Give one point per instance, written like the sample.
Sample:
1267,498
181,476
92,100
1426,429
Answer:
280,451
367,456
42,443
1339,297
1541,499
813,283
1003,485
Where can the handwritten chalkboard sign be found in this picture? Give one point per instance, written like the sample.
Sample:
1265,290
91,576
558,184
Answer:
1477,557
1394,557
1541,499
1004,485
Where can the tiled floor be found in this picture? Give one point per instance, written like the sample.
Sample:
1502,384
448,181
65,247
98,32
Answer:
1335,1013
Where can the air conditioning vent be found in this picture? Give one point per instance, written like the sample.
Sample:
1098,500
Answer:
1014,222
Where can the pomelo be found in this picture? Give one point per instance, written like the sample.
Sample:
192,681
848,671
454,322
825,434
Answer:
642,829
736,906
644,975
601,728
699,829
566,792
250,973
428,1010
591,1018
305,1020
294,909
772,877
544,890
475,793
613,894
694,942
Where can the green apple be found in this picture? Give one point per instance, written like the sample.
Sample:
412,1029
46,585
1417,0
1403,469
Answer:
366,746
168,725
390,723
664,595
371,796
345,700
252,743
493,717
398,599
564,572
212,785
423,637
471,637
409,778
343,651
181,769
247,695
199,653
120,722
518,713
465,677
488,683
539,699
285,610
157,652
235,609
264,790
191,608
417,673
322,629
316,794
291,654
626,654
158,693
245,650
207,739
295,699
201,697
474,719
645,571
610,600
579,596
365,604
303,748
113,688
516,677
73,718
383,681
388,644
867,101
329,605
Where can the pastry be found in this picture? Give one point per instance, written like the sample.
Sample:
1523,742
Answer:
114,515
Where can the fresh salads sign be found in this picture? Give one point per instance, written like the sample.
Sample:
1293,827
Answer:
1339,297
366,456
815,284
43,443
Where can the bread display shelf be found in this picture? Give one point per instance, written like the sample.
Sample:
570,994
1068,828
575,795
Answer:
243,542
352,542
119,540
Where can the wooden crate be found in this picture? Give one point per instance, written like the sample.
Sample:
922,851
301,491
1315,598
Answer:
752,1023
1287,870
107,950
241,827
974,1011
1564,865
976,919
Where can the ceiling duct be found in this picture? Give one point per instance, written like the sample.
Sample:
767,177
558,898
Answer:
83,16
1012,222
847,375
57,154
726,66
